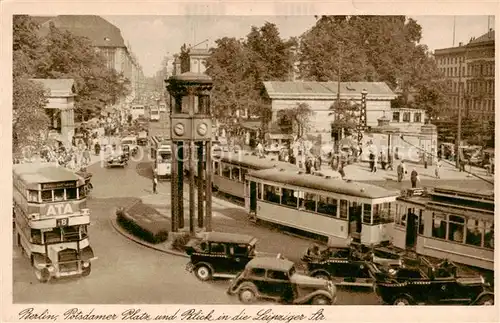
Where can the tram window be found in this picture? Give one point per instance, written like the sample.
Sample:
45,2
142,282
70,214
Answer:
456,228
288,197
310,202
438,226
400,217
343,209
244,172
226,170
47,196
259,190
271,194
32,196
382,213
367,212
216,168
421,222
488,236
474,232
327,205
71,193
235,173
81,192
59,195
36,236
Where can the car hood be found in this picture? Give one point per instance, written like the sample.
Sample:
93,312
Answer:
303,280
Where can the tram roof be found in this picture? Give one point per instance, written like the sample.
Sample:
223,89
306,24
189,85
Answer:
487,194
229,237
254,162
43,173
337,185
271,263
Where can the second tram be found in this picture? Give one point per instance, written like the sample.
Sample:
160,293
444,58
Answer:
448,223
161,154
330,207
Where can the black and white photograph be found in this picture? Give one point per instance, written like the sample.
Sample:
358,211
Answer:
226,160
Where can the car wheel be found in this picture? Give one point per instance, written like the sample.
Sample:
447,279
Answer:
203,273
247,295
42,275
86,271
487,300
402,301
320,300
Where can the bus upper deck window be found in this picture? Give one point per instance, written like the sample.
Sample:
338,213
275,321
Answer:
81,192
33,196
71,193
59,195
47,196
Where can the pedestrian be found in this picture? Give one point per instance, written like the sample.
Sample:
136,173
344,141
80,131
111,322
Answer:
401,170
462,164
155,183
383,160
86,156
438,168
372,161
425,160
341,171
97,148
414,178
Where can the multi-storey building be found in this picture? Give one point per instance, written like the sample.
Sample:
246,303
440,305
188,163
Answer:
106,38
470,71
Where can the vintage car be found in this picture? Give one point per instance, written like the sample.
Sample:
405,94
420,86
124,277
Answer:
117,160
142,138
426,283
129,145
271,278
221,255
347,265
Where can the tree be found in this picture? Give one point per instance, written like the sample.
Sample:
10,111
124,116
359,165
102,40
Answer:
372,48
70,56
29,121
297,119
346,116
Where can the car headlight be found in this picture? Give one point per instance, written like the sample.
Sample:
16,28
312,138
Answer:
86,264
392,272
51,269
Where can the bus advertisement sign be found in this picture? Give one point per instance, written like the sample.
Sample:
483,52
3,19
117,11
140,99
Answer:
51,186
59,209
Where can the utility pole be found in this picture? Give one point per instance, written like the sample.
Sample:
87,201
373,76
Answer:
459,121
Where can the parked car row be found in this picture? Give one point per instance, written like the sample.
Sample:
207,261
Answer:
395,279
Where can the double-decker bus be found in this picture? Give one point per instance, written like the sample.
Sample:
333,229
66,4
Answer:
330,208
51,220
161,154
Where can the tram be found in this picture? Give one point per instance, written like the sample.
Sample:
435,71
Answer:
333,208
161,156
450,223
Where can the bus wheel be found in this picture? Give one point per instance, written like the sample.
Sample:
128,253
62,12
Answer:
42,275
86,269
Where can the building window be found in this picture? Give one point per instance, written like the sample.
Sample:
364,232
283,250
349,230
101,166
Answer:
417,117
395,117
406,116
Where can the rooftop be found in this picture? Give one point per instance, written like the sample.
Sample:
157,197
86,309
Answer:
101,32
43,173
228,237
489,36
58,87
315,182
327,90
270,263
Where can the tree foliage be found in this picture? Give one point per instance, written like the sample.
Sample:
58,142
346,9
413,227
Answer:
238,68
346,115
375,49
296,120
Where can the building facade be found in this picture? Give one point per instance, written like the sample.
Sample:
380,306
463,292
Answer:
320,96
470,71
107,39
60,108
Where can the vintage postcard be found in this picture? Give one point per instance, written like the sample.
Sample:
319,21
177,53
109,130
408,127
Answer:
248,161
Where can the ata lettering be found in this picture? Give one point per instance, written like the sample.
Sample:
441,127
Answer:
59,209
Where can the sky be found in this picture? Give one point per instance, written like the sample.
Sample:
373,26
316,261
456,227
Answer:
154,37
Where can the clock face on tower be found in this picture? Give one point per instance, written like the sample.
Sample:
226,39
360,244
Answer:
202,129
179,129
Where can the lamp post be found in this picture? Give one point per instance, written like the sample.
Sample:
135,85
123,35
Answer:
362,116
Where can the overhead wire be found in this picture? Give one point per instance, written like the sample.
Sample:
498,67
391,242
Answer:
446,161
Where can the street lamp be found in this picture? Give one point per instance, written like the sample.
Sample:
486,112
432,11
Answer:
362,116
